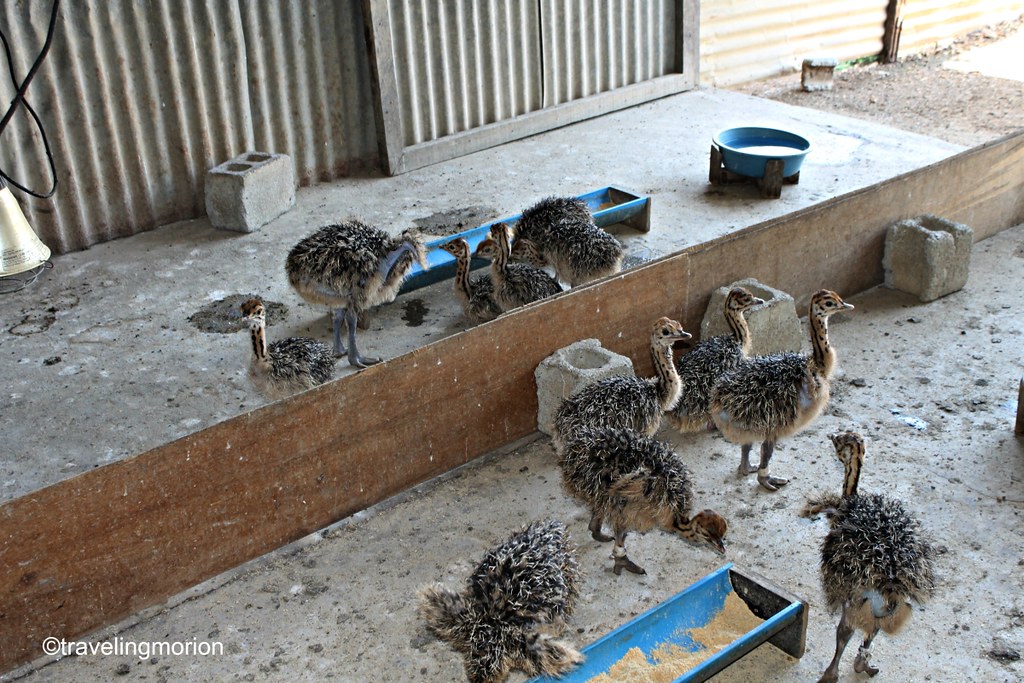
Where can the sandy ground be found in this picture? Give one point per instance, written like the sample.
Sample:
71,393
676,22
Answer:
932,387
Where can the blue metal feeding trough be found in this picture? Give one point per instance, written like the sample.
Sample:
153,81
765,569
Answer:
784,626
766,155
609,205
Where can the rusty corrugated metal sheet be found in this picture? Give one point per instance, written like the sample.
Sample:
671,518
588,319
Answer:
592,48
934,23
489,50
743,40
139,100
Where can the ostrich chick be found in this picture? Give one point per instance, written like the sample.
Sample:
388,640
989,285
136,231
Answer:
477,295
567,238
701,367
637,483
516,284
767,398
287,365
540,221
874,560
522,251
519,597
627,401
351,267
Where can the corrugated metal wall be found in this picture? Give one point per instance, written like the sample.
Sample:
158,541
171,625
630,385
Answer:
140,99
591,49
489,48
930,23
744,40
510,57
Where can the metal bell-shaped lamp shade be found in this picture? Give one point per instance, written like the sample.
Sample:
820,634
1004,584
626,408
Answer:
20,247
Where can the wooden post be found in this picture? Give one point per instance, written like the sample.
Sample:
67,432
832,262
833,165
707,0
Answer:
771,183
716,172
891,32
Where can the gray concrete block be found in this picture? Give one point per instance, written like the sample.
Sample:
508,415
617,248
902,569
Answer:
250,190
927,256
816,74
568,370
774,325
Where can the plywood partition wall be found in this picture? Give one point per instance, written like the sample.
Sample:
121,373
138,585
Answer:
96,548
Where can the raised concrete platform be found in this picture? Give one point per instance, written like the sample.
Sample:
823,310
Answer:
113,321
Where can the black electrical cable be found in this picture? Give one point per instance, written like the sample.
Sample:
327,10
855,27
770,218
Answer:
19,98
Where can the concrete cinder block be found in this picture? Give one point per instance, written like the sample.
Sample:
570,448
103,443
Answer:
927,256
774,325
250,190
568,370
816,73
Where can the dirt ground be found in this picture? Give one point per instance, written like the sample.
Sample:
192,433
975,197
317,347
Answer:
940,92
931,386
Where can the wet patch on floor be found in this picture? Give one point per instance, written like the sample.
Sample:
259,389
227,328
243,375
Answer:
40,320
33,323
413,312
223,317
455,220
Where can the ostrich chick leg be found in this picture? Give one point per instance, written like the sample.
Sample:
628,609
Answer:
354,358
844,631
595,528
745,467
769,482
862,664
619,553
337,315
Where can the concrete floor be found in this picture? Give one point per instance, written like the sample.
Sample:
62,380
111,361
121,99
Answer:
106,333
133,373
932,387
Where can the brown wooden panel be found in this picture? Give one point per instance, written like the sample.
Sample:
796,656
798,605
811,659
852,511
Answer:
96,548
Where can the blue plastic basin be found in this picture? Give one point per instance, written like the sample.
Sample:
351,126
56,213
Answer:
745,151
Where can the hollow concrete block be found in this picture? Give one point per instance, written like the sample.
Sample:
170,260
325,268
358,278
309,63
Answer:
249,191
774,325
816,73
568,370
927,256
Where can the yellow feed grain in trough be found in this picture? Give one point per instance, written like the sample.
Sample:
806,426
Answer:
672,661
